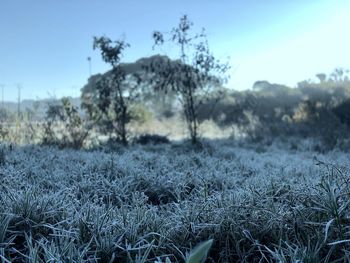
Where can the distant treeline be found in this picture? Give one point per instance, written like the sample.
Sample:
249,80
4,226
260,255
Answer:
314,108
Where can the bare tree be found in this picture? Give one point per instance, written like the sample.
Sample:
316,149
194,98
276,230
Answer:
193,76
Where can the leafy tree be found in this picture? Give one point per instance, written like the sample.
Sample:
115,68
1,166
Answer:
322,77
160,102
114,92
139,113
193,76
339,75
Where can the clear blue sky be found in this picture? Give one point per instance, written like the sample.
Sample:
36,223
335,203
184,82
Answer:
44,44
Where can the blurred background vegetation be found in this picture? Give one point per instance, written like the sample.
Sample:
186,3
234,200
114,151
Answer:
318,110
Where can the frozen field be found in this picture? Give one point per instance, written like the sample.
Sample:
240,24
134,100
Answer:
154,203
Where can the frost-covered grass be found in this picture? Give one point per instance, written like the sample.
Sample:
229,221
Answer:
156,202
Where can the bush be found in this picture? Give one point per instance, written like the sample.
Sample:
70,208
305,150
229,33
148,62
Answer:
342,112
151,139
74,131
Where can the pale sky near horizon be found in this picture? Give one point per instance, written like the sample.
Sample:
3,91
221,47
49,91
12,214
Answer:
44,44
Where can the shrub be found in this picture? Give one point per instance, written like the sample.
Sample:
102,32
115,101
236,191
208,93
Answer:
151,139
74,132
342,112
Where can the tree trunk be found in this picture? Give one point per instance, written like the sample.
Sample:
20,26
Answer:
191,116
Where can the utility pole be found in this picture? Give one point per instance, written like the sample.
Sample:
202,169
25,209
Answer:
89,61
2,95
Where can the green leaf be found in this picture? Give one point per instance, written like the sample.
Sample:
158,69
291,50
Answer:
199,253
